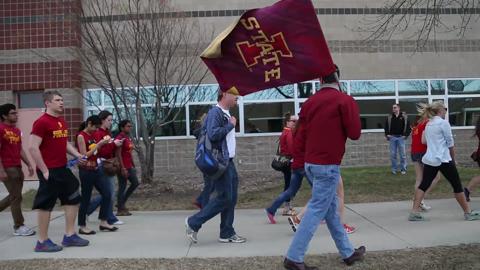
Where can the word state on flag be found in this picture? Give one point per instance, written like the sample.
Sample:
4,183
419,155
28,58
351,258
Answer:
267,49
270,47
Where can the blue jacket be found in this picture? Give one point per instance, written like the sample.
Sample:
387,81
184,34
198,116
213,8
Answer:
218,126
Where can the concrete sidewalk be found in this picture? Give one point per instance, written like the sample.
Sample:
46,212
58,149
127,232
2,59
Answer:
381,226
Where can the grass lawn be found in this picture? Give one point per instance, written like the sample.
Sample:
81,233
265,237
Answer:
366,184
362,185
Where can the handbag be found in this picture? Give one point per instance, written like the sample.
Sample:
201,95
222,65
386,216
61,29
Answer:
111,166
280,162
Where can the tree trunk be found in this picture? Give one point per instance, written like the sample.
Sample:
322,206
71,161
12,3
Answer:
147,161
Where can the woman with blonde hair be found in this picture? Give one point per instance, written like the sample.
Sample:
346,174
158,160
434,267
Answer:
440,156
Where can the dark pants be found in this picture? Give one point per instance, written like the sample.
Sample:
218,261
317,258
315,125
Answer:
208,188
122,195
449,170
288,194
223,201
88,180
14,185
287,177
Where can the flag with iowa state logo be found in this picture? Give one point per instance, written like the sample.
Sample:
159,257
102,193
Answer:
269,47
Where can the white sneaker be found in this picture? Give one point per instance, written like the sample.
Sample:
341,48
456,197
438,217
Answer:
118,222
23,231
424,206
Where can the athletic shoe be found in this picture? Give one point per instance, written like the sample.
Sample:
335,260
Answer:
356,256
233,239
191,234
74,241
289,212
23,231
473,215
118,222
416,217
47,246
271,218
467,193
424,206
403,172
349,229
294,221
394,172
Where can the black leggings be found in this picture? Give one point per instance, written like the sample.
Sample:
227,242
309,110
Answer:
449,171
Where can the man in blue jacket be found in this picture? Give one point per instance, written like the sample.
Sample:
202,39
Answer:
220,127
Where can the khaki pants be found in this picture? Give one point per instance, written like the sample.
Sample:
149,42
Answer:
14,185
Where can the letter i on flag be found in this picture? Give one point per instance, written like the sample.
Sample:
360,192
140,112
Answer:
270,47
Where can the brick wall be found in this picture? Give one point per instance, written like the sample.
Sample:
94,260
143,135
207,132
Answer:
174,158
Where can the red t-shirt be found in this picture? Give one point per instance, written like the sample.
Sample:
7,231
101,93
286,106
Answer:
107,150
127,148
286,142
90,143
417,146
11,146
54,133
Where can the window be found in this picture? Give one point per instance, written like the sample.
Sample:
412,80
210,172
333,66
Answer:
204,93
437,87
372,88
283,92
266,117
373,113
463,111
412,87
27,100
456,87
410,107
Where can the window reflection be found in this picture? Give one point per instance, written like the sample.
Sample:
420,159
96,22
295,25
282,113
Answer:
266,117
372,88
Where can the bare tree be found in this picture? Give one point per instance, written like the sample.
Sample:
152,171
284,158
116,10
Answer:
421,20
144,56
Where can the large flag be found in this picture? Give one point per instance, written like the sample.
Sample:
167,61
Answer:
269,47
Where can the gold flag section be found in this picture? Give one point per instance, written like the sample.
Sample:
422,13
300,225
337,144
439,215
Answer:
233,90
214,50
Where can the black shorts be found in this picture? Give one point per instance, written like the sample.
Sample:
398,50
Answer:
417,157
61,184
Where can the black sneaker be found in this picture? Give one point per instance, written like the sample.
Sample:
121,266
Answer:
356,256
467,193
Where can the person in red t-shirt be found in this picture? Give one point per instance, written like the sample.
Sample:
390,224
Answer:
286,149
49,147
90,176
128,171
11,155
107,152
417,150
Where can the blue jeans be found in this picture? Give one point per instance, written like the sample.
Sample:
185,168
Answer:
208,188
322,205
225,191
122,195
88,180
109,181
398,144
295,184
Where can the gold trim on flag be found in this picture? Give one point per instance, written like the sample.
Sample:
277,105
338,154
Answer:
214,50
234,91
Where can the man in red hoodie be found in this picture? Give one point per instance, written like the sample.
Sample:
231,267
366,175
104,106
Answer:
327,119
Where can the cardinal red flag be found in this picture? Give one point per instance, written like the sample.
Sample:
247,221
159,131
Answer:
269,47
